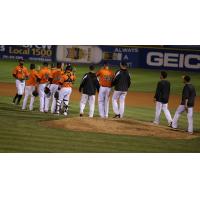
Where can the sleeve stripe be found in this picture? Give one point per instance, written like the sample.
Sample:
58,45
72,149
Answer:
85,77
117,74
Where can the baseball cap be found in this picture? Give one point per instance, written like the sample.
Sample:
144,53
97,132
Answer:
21,59
124,63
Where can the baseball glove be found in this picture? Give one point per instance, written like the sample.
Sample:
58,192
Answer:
35,93
56,95
46,90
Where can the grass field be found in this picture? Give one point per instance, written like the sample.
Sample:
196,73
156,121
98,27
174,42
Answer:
20,130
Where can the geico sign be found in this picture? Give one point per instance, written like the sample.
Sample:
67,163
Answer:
173,60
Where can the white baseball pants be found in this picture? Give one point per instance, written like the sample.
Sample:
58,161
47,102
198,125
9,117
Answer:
159,107
64,96
20,85
42,96
91,100
119,96
28,92
179,111
53,88
103,100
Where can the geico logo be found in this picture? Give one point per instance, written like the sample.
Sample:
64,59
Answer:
191,61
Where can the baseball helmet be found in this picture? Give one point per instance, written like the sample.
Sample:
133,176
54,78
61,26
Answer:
68,68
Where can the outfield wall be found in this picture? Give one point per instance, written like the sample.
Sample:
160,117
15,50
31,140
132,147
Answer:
135,56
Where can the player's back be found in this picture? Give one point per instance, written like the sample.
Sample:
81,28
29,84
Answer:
105,77
67,79
189,93
32,80
122,80
44,75
165,90
56,76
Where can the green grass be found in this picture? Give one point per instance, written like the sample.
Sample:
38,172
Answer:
20,131
143,80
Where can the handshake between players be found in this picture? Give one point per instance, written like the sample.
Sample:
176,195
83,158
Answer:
55,85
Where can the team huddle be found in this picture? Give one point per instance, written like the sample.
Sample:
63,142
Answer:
55,86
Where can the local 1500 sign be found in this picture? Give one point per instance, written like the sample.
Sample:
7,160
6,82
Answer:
31,52
174,60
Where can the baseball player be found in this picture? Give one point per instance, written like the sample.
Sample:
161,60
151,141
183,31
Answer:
121,83
187,104
44,75
53,67
30,87
53,86
105,76
161,98
20,73
88,87
66,83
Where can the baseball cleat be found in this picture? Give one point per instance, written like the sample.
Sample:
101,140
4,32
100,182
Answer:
156,123
174,129
170,124
65,113
81,115
117,116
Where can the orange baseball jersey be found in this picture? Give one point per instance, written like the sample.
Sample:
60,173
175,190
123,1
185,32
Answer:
20,72
44,75
105,77
33,75
67,79
53,70
56,75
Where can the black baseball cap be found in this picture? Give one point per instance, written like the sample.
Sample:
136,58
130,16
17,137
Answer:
187,78
32,66
91,67
123,63
21,59
59,64
45,63
68,68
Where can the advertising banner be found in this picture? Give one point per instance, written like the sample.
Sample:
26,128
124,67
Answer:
115,54
98,54
29,52
176,59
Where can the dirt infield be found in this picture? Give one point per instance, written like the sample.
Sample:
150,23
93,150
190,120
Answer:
138,99
117,127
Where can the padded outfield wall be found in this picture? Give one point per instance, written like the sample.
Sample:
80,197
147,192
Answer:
174,58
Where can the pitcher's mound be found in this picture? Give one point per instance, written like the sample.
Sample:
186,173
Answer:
117,127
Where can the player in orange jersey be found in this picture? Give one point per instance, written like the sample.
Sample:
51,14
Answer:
20,73
54,80
31,85
105,76
44,75
66,83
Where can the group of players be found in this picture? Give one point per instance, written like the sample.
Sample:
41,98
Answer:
161,99
56,84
